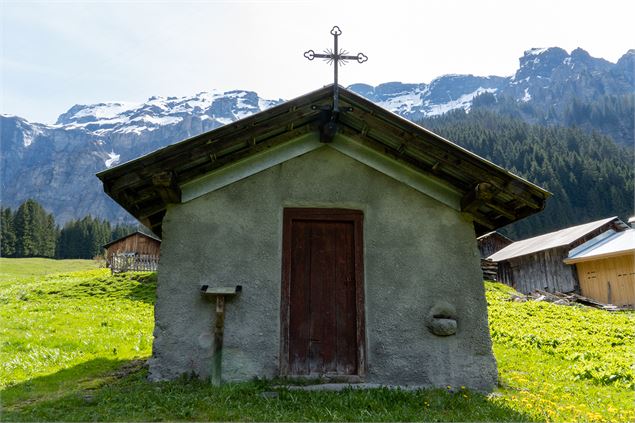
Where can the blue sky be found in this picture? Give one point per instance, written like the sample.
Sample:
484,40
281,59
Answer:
59,53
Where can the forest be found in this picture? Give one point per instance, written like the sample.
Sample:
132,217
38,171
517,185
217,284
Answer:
30,231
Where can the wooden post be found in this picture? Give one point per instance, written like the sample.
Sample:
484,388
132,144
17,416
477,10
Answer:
217,359
218,339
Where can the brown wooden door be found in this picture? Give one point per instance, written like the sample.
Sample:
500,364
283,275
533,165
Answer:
322,284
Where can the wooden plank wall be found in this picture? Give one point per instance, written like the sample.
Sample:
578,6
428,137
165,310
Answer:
135,244
610,280
543,270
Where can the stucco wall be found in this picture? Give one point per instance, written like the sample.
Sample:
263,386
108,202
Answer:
418,252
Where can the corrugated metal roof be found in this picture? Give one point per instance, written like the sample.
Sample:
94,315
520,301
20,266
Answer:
547,241
615,243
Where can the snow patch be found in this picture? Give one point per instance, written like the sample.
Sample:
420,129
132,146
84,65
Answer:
526,97
28,135
535,51
105,110
27,139
265,104
158,120
223,121
464,102
406,101
112,160
402,103
134,130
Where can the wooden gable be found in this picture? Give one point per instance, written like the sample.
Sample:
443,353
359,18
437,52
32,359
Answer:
469,183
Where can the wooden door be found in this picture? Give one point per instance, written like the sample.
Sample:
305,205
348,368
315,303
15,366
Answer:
322,313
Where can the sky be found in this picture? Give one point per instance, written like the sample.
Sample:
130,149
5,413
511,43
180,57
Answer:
55,54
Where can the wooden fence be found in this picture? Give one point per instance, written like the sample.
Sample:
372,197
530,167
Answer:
128,262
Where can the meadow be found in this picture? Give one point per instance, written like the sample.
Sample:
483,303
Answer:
74,346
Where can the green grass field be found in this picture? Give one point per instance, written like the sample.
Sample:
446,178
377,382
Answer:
11,268
73,347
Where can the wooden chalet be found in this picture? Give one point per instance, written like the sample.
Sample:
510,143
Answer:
606,267
537,263
326,230
134,252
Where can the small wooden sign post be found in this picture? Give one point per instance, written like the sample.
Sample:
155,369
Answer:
219,325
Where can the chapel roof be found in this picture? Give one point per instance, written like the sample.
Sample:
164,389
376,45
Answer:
494,196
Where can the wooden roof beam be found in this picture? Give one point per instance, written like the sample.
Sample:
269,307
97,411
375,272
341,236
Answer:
481,193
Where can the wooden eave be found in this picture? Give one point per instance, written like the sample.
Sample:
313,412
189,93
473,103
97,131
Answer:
492,195
599,256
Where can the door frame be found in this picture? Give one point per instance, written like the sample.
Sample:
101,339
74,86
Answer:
345,215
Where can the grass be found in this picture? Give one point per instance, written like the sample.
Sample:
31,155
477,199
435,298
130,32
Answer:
73,347
563,363
52,326
11,268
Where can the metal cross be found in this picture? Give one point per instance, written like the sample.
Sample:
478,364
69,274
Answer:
337,57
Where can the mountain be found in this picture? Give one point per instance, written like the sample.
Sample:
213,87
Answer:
56,164
550,87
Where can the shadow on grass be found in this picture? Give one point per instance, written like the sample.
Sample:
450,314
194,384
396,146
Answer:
143,292
111,390
85,376
146,289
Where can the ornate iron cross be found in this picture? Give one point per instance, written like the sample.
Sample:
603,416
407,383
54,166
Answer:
336,57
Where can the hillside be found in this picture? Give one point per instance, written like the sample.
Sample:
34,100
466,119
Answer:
73,346
56,164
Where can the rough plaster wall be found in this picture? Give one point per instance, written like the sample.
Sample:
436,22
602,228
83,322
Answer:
417,252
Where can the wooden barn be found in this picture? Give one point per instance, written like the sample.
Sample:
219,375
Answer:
488,244
492,242
606,267
134,252
340,239
537,263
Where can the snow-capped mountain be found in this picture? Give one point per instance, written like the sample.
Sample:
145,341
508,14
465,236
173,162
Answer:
418,101
56,164
215,107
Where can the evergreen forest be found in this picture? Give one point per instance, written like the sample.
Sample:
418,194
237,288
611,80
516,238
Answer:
590,176
30,231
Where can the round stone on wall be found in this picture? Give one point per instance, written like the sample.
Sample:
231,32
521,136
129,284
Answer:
441,319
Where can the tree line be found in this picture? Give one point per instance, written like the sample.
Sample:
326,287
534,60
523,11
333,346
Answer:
611,115
30,231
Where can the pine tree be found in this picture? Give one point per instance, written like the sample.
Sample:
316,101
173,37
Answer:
7,233
35,231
